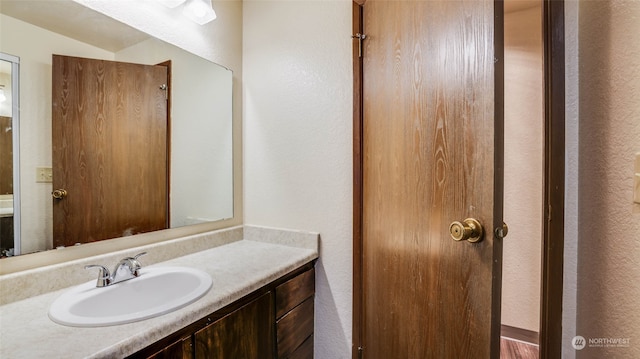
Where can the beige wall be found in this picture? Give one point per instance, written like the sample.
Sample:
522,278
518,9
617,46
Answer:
524,124
609,228
570,267
298,136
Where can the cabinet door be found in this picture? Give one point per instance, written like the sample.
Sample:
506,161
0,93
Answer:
246,333
180,349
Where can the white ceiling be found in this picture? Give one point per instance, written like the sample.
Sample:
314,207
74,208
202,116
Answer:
73,20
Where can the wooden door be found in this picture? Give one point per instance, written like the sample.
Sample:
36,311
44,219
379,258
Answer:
109,124
431,155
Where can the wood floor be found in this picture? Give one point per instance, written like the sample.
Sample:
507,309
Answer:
514,349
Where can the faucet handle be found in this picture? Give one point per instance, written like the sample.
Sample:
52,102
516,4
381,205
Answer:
139,255
136,264
104,277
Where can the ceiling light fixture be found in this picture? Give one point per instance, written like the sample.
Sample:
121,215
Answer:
199,11
172,3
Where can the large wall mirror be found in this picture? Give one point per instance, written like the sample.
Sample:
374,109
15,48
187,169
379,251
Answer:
199,133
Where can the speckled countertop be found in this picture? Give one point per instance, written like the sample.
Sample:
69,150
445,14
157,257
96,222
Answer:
237,269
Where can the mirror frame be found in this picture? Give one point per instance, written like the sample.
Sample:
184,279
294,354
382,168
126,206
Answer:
45,258
225,30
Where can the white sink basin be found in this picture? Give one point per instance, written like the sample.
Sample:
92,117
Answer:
155,292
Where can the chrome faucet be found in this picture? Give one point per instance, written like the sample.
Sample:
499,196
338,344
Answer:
127,268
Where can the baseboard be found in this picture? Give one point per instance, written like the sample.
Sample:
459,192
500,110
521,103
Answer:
520,334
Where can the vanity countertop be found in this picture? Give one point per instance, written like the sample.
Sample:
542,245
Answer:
6,212
237,269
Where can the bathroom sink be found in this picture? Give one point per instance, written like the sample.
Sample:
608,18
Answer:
155,292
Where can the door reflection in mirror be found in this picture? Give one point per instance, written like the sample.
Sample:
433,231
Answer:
110,153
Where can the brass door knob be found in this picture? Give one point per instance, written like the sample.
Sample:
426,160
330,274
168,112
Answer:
59,193
469,229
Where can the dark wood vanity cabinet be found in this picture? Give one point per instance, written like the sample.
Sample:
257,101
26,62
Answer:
275,321
244,333
183,348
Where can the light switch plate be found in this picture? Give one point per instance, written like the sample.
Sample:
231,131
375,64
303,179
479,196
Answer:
636,180
44,175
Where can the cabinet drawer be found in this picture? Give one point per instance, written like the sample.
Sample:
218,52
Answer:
304,351
294,327
294,292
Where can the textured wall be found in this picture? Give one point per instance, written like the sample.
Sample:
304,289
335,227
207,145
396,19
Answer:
609,252
524,137
298,135
570,269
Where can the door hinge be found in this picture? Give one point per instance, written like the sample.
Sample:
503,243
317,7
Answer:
360,37
360,352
